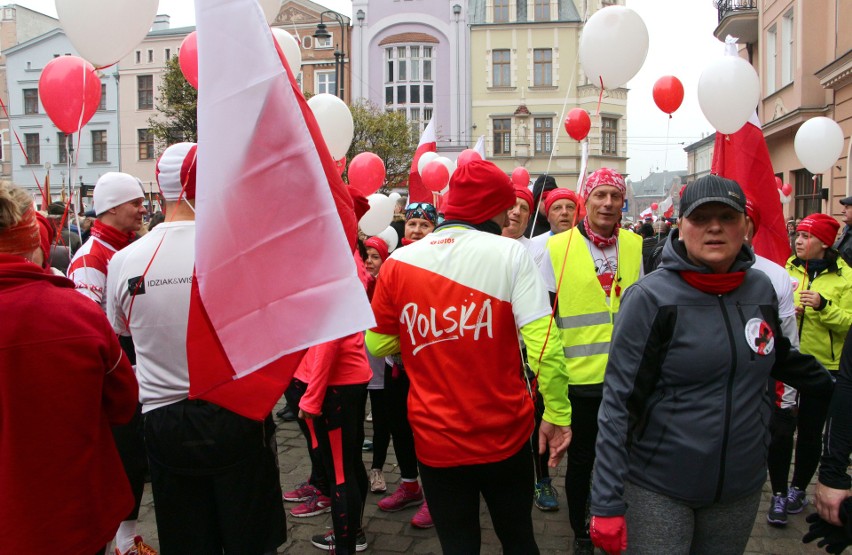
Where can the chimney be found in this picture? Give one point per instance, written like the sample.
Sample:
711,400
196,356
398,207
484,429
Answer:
161,22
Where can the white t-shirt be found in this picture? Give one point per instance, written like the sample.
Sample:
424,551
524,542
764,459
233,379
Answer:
605,260
158,312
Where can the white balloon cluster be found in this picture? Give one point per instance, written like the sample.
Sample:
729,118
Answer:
335,123
290,47
378,216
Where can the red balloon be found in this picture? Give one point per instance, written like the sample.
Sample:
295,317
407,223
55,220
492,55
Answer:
778,182
654,206
367,173
467,155
340,165
435,176
578,123
668,93
786,189
70,91
188,58
521,177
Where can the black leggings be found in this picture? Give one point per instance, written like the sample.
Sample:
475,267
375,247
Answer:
507,487
318,478
340,434
381,429
581,460
540,460
809,423
130,442
396,394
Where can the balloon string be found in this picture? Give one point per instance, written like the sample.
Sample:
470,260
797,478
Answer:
666,155
98,68
23,150
600,96
83,107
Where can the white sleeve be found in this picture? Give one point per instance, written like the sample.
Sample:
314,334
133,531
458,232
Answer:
545,267
529,296
114,310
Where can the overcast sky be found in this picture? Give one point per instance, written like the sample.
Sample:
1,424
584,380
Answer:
681,43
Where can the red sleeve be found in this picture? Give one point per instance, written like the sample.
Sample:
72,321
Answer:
384,305
121,392
324,358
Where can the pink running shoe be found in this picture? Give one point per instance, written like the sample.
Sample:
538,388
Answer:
303,492
403,497
315,505
423,518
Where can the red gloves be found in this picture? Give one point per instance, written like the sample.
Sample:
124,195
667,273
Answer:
609,533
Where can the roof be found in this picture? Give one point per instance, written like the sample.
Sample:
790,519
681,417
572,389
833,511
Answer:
709,139
657,184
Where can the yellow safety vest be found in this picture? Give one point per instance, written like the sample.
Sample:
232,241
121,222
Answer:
585,317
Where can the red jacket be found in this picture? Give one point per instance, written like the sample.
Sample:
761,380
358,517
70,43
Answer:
339,362
63,382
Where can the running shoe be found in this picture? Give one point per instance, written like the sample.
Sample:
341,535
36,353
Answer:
139,548
367,445
315,505
303,492
369,417
777,515
377,481
403,497
796,501
326,541
423,518
546,496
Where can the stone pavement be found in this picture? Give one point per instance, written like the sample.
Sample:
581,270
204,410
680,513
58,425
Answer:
391,532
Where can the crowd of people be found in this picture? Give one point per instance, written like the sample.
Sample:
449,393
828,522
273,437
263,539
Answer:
670,365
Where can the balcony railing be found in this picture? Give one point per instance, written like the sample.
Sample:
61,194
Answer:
728,7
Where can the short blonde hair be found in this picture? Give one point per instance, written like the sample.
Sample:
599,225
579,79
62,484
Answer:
14,203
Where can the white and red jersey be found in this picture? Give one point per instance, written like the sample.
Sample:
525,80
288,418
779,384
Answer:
149,285
456,299
88,269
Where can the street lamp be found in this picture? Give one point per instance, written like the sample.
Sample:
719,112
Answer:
339,53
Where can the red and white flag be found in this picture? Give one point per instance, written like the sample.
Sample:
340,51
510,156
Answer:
480,146
744,157
417,192
647,213
268,195
667,207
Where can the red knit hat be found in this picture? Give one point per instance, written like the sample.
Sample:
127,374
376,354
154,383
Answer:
604,176
821,226
524,194
560,193
46,233
753,214
379,244
479,190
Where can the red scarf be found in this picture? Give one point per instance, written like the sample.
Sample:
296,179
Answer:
714,284
111,235
600,241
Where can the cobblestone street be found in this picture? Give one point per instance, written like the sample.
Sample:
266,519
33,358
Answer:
391,532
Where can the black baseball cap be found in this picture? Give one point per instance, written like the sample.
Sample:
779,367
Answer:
846,201
712,188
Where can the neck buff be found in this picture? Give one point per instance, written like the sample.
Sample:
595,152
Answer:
111,235
714,284
598,240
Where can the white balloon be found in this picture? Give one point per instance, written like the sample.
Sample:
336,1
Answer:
290,47
424,159
378,216
390,237
335,123
270,10
613,46
103,32
394,196
818,144
449,164
785,199
728,93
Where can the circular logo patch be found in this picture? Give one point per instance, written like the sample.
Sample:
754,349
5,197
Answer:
759,336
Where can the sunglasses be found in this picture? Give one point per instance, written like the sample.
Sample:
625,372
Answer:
421,209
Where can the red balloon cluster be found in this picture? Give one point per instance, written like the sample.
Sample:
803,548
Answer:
188,58
668,94
435,176
367,173
468,155
778,182
578,123
786,189
70,91
520,177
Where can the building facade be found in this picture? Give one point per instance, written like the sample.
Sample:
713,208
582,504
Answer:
17,25
411,56
802,51
699,157
74,162
526,76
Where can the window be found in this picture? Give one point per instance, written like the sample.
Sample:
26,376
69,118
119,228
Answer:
808,193
609,136
787,48
307,41
542,67
501,11
168,54
322,42
30,101
501,65
102,104
408,83
771,59
33,148
99,146
138,57
543,135
542,10
150,56
146,144
325,82
145,91
65,144
502,137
